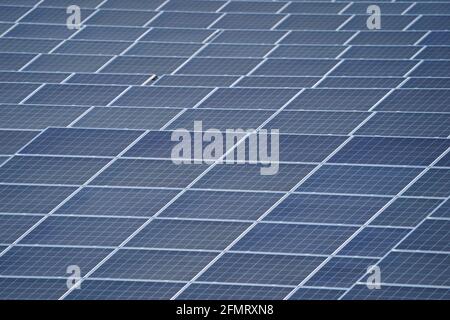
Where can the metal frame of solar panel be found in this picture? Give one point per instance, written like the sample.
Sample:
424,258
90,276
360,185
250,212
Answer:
86,177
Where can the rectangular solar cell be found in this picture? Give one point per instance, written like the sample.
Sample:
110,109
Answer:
360,292
12,227
12,141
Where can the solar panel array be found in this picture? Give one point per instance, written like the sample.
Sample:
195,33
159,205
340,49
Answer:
86,177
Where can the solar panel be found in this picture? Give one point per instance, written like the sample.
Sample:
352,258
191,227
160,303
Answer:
91,116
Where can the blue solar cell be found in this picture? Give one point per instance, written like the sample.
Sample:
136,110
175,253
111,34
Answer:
248,177
65,3
395,151
93,47
443,211
261,269
11,14
294,67
373,68
406,212
27,45
37,117
314,7
432,235
32,289
193,5
249,36
407,124
32,199
434,53
361,292
143,65
277,82
124,290
163,49
431,22
11,61
312,22
337,99
395,38
72,94
380,52
96,78
130,118
430,8
373,242
48,261
436,38
36,77
316,122
235,50
116,202
120,18
305,51
247,21
201,291
445,161
416,100
67,63
434,183
154,265
133,5
177,234
386,7
361,82
82,231
240,98
184,20
15,92
252,6
109,33
3,159
359,180
290,238
148,173
12,227
62,141
316,294
340,272
199,204
415,268
13,141
52,15
312,208
219,66
54,170
200,81
167,97
317,37
177,35
40,31
432,69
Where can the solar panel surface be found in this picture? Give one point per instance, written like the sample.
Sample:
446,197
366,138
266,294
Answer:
86,176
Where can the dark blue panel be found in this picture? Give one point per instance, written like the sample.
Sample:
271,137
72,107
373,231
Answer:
432,69
65,3
406,212
247,21
361,292
240,98
277,82
174,234
184,20
417,100
23,288
31,199
62,141
340,272
12,227
386,7
133,5
248,37
443,211
235,50
132,118
197,204
37,77
316,122
317,37
232,292
54,94
387,38
373,68
388,22
290,238
11,61
248,177
314,7
52,170
361,82
193,5
295,67
219,66
40,31
374,242
13,141
143,65
200,81
67,63
48,261
27,45
312,22
316,294
110,33
433,235
82,231
96,78
434,53
116,202
148,173
294,51
163,49
436,38
407,124
395,151
93,47
172,97
434,183
52,15
38,117
177,35
15,92
124,290
261,269
120,18
359,180
327,209
154,265
251,6
337,99
416,268
380,52
11,14
432,22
